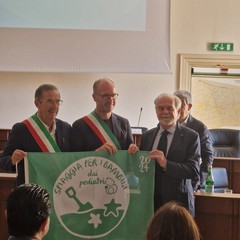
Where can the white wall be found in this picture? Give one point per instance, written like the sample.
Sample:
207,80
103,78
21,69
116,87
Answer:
193,25
135,91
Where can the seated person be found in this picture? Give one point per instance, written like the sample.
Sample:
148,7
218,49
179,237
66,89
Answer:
28,210
172,222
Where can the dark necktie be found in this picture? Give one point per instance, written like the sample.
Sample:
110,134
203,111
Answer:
162,145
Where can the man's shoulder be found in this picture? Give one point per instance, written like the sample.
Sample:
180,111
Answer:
187,130
196,124
63,123
79,122
151,131
194,120
114,115
19,126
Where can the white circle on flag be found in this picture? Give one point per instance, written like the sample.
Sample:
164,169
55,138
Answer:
91,197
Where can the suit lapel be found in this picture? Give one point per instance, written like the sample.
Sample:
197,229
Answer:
189,121
59,139
150,142
177,139
116,126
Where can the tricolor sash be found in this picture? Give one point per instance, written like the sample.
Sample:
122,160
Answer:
41,134
101,129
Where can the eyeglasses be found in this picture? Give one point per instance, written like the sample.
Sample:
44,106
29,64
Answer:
168,108
107,96
51,102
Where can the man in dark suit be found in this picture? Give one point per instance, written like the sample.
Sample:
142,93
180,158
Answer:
178,164
186,119
102,130
42,132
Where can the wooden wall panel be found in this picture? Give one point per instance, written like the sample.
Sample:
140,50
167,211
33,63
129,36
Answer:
218,215
233,169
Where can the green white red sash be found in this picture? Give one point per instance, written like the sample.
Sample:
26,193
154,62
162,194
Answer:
101,129
41,134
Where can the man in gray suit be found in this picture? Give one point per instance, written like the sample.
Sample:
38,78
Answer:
186,119
102,130
174,169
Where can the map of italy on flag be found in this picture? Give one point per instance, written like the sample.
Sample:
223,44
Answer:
95,195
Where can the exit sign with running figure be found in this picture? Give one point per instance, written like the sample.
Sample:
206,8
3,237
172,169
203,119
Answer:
222,46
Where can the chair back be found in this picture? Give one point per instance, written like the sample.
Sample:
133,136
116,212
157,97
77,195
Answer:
220,180
225,142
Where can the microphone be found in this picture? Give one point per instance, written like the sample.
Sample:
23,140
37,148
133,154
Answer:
140,114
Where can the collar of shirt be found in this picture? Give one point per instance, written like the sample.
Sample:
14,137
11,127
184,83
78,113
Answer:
53,131
185,121
171,131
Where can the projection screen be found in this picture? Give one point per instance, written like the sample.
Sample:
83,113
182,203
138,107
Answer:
85,36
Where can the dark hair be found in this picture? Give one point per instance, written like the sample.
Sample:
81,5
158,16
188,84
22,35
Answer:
172,222
42,88
28,206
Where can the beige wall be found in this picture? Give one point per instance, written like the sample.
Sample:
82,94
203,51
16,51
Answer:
193,25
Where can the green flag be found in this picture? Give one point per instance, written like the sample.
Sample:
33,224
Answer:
95,195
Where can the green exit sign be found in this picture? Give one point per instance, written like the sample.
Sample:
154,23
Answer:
222,46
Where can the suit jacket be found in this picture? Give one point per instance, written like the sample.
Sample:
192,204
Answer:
21,138
206,145
84,139
174,183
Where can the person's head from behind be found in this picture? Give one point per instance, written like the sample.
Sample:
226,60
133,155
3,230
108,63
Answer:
186,99
172,222
28,210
